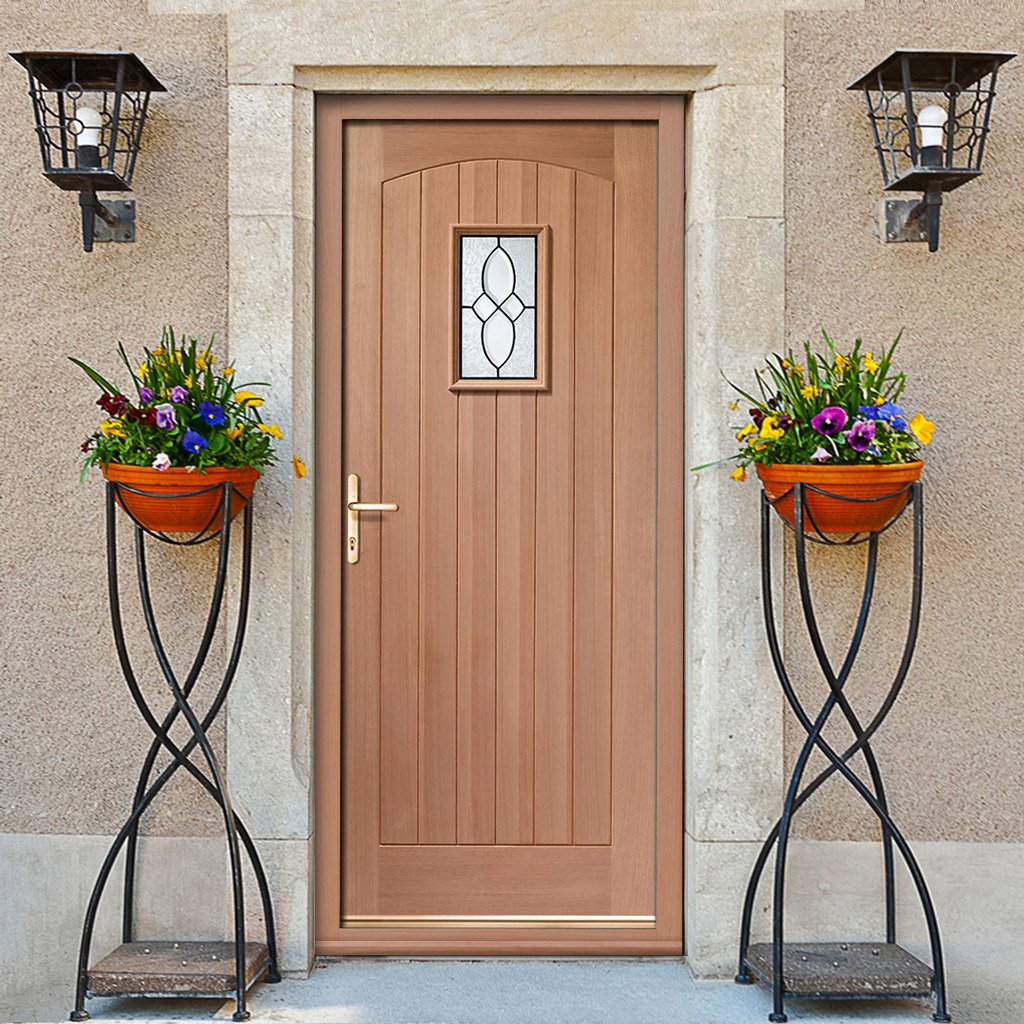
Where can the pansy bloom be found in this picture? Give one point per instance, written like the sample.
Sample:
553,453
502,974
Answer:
194,442
212,414
861,435
165,419
830,420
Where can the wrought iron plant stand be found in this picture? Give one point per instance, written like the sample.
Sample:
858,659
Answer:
167,968
843,970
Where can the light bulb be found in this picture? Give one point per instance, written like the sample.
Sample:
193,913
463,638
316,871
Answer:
932,121
91,123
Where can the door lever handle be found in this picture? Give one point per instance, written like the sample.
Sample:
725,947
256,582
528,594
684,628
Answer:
354,507
370,506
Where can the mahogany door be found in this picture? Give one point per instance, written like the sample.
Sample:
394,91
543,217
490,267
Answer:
499,709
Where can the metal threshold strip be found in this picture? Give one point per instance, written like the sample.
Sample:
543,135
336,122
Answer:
498,921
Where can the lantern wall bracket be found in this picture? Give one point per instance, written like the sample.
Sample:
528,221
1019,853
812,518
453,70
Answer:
106,220
911,220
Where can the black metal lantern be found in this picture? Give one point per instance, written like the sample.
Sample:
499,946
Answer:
89,109
929,112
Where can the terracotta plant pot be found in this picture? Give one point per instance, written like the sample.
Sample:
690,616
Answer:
832,515
155,509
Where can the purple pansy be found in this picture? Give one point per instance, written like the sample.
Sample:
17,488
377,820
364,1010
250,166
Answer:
179,394
145,394
861,435
194,442
830,420
212,414
165,417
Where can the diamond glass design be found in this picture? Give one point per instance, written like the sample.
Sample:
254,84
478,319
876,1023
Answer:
498,331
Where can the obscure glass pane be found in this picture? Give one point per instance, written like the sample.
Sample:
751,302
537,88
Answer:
498,288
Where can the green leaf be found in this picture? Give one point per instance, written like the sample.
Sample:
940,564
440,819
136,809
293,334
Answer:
99,381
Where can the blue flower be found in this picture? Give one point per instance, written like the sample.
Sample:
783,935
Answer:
193,442
889,412
213,414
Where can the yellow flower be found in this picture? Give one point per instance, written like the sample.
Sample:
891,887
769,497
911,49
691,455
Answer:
811,391
785,364
739,473
746,431
158,352
796,371
204,360
235,432
112,428
248,399
228,371
842,363
144,371
734,405
922,428
272,429
770,428
299,467
188,379
869,363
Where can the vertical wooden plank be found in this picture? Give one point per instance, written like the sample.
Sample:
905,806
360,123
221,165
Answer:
635,567
592,698
556,205
361,454
400,437
438,601
476,564
516,511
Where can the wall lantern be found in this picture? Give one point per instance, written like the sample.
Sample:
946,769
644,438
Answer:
89,109
929,113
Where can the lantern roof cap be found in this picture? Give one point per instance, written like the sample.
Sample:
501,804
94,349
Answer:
94,69
931,69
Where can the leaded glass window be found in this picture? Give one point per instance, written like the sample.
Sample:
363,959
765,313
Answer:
498,318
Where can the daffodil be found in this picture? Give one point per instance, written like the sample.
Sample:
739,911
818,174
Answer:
842,364
746,431
869,363
739,473
922,428
272,429
144,371
112,428
811,391
248,399
299,467
228,372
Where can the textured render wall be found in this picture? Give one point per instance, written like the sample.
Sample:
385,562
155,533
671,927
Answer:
952,748
69,735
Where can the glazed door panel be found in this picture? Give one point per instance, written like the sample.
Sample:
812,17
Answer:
498,693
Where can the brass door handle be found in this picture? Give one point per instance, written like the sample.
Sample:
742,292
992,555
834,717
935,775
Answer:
353,507
369,506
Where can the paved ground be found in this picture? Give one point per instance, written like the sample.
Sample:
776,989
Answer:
547,992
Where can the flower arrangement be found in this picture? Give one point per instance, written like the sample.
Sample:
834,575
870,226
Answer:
188,412
839,408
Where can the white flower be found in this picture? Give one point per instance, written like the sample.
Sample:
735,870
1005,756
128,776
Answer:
162,461
821,455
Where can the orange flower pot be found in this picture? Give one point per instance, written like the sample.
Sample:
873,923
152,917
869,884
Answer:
157,510
832,515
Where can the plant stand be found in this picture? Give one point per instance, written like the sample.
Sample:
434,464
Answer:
216,969
839,970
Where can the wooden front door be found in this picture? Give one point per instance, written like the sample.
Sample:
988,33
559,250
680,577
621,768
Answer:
499,680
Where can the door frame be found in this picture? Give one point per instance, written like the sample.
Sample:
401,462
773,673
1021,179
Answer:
331,113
